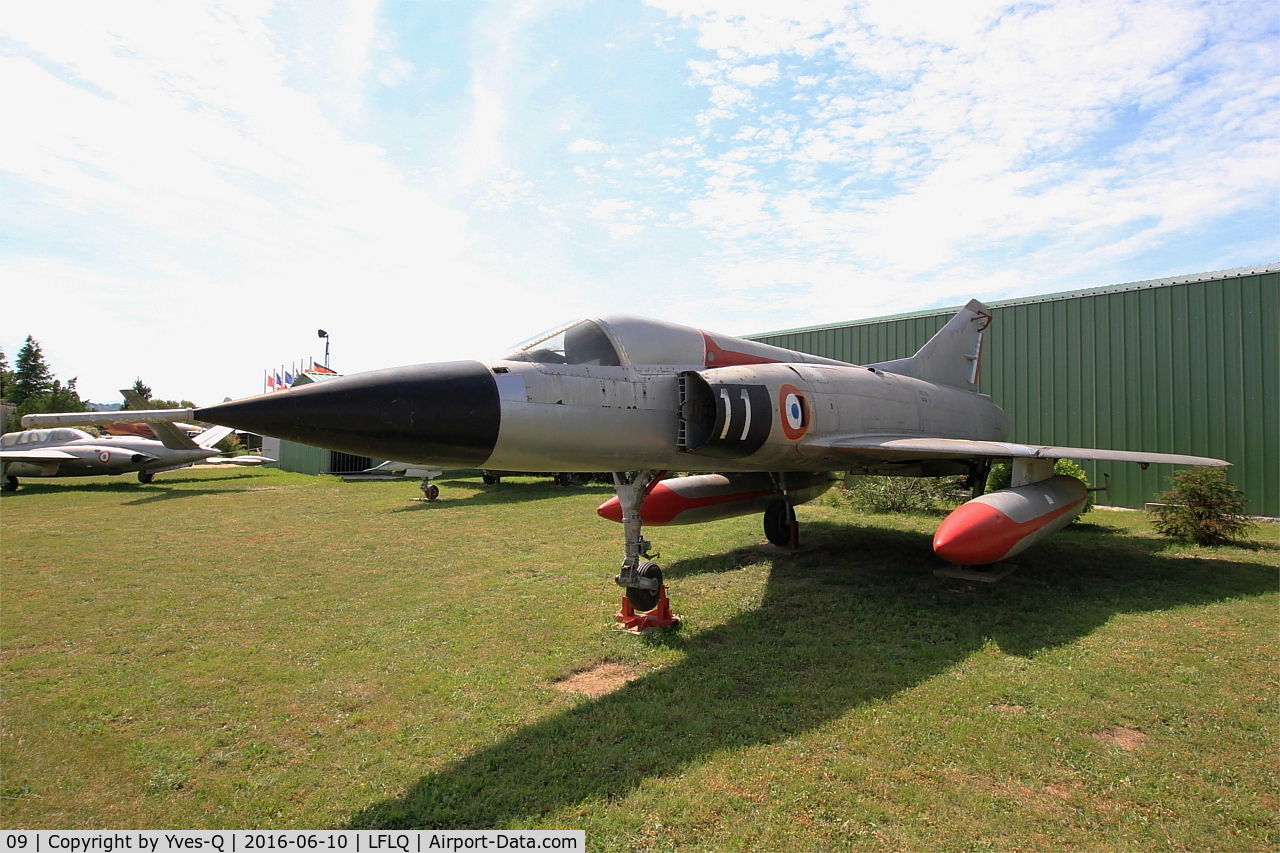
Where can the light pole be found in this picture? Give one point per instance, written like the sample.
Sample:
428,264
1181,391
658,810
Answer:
323,334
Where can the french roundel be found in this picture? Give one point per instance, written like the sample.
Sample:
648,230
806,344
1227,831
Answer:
104,456
794,409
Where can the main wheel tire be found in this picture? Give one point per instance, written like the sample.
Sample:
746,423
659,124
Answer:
432,491
10,484
564,479
490,480
145,477
777,523
646,599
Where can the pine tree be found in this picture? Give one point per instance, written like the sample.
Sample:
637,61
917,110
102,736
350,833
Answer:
6,388
31,376
144,390
35,390
6,378
1202,507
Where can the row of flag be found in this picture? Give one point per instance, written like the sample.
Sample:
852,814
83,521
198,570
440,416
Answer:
282,379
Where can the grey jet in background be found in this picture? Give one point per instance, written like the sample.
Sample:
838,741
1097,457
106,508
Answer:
67,452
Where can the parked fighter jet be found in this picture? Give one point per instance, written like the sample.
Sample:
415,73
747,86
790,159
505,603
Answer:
69,452
640,397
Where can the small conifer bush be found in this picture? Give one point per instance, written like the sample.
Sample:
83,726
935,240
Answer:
1202,507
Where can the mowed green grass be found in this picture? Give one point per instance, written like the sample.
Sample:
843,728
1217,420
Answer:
258,649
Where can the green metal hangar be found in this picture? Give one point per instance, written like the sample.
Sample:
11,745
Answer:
1189,364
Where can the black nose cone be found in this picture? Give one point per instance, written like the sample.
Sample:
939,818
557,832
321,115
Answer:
444,414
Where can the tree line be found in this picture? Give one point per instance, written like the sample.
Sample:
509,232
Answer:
30,386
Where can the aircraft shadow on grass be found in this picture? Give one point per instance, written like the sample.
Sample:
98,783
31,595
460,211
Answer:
154,495
504,493
886,625
129,484
145,493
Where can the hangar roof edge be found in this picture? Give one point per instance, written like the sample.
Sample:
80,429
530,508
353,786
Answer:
1216,275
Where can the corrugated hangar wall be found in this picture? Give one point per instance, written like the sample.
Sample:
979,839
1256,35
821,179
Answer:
1181,365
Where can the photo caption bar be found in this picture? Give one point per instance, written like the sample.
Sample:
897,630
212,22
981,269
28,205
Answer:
291,840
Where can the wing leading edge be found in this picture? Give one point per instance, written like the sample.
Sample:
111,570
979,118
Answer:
37,456
860,449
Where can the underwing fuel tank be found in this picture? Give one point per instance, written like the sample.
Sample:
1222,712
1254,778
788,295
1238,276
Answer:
1000,524
711,497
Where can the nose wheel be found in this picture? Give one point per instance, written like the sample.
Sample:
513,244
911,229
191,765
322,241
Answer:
646,597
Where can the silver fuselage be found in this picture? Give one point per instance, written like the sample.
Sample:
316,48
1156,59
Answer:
590,418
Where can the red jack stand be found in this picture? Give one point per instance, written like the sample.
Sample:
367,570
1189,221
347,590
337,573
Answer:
658,617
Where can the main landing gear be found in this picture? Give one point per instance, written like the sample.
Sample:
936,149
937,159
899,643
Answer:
646,604
145,477
780,525
10,484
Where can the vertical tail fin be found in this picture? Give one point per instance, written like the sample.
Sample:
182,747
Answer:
953,355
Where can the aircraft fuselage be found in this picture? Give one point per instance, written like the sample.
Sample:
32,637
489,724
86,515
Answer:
72,453
572,418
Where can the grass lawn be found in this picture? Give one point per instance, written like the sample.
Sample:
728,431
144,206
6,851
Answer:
258,649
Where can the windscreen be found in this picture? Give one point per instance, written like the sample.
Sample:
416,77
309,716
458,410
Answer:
580,343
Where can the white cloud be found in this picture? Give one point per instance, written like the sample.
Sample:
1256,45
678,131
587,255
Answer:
192,187
754,75
394,71
922,141
608,208
579,145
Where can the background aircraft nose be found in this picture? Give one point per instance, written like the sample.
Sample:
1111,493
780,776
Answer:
446,414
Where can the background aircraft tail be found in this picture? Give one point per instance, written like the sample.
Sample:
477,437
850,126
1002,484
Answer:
953,355
170,436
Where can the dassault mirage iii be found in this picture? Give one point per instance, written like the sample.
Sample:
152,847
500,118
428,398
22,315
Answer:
641,397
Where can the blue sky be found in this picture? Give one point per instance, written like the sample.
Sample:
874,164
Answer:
188,191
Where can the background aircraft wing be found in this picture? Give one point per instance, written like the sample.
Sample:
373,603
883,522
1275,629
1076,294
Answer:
211,436
858,449
125,416
37,456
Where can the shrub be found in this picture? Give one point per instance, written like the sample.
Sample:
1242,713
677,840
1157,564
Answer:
899,494
1202,507
231,445
1001,477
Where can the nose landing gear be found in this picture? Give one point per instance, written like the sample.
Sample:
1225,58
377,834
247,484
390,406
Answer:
640,575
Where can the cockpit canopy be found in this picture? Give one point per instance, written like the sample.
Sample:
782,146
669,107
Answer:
621,340
581,342
42,436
